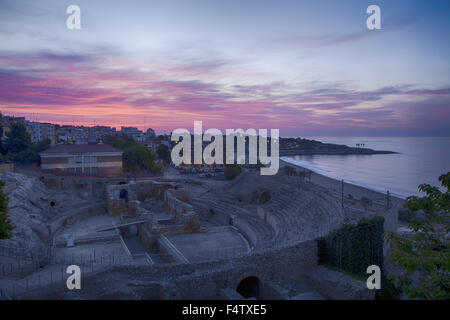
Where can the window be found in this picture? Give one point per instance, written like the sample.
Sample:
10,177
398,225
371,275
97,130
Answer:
75,160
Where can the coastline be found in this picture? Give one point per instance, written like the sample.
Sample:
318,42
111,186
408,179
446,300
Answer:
322,178
351,151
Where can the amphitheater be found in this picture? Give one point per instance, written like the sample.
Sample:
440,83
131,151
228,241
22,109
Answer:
176,237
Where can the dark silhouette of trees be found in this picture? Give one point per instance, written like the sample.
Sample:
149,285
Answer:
5,225
425,255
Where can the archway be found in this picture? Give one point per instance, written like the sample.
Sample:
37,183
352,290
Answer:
264,197
124,195
250,287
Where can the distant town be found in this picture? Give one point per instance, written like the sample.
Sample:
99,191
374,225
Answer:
79,135
106,151
71,134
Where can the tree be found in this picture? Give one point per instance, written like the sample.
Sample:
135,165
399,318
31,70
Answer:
41,146
121,142
425,254
136,157
19,147
164,153
5,225
17,139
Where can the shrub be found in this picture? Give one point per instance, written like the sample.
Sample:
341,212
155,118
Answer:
232,171
424,255
353,248
388,290
5,225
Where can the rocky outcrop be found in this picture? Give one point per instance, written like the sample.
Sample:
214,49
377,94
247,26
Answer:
29,211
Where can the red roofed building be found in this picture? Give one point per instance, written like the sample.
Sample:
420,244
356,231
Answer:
88,159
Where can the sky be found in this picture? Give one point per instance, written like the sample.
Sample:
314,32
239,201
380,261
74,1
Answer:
306,67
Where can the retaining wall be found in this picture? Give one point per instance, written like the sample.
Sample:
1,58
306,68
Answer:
206,280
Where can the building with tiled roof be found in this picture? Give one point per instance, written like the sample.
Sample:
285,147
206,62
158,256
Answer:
88,159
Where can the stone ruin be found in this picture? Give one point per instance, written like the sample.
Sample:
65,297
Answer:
193,239
125,200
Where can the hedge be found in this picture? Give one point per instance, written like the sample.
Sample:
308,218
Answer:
353,248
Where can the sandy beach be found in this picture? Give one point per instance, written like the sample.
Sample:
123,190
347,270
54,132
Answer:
354,208
335,185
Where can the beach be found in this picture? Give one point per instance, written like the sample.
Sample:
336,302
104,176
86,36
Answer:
335,185
417,160
353,194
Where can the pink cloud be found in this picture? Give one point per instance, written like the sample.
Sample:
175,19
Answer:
87,89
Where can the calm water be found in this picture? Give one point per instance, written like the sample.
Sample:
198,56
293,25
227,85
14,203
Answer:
420,160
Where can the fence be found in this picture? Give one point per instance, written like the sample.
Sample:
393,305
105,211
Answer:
55,272
17,252
55,275
16,267
369,201
19,261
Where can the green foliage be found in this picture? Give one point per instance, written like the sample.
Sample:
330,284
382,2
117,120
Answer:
120,142
41,146
354,276
136,157
353,248
232,171
24,157
164,153
19,148
5,225
388,290
424,255
17,139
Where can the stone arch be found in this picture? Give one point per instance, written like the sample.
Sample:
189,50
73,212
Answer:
123,195
264,197
250,287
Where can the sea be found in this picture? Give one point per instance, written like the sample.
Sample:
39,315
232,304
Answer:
419,160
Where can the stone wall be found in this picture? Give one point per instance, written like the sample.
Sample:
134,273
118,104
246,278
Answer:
183,211
136,191
147,239
77,214
207,280
95,187
337,285
7,167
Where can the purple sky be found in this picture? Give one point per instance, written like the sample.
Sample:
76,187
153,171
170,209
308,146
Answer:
309,68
